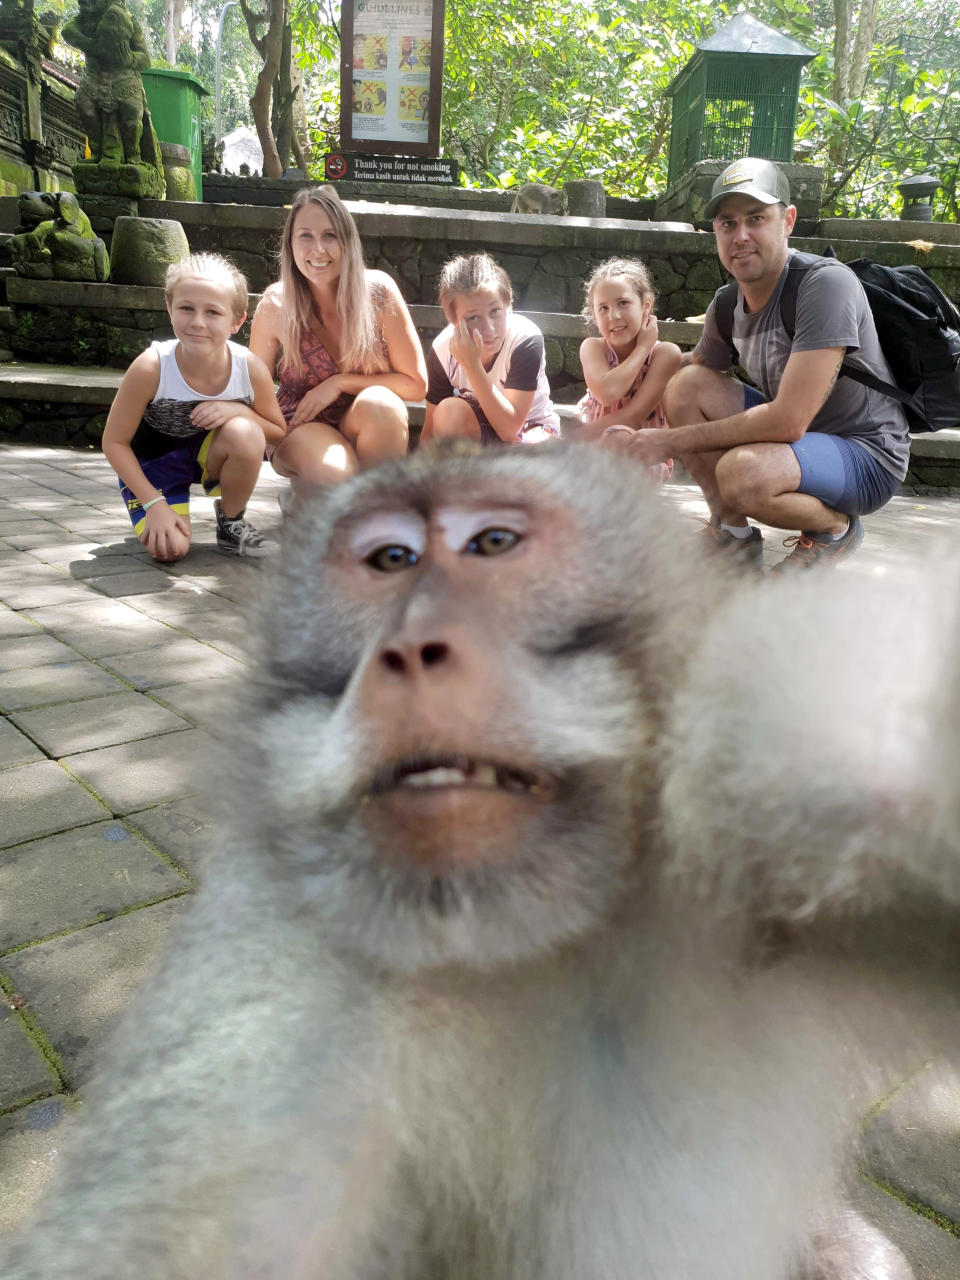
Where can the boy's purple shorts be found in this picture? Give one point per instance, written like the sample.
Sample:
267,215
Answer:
173,473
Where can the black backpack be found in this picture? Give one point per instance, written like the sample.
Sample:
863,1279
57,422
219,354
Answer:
917,324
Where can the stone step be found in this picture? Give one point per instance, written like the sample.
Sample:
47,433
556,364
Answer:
7,320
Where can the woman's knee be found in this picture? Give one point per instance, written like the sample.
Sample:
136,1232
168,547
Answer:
315,454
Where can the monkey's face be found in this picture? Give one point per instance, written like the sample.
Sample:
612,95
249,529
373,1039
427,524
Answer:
453,709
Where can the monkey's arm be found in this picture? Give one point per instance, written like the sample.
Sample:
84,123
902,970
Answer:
198,1155
810,760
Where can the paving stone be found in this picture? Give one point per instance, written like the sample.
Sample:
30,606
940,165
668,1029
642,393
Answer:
65,729
14,624
99,627
15,747
23,592
61,682
912,1144
24,1072
75,878
136,775
39,799
180,603
183,830
30,1144
34,534
139,582
177,662
76,985
92,570
72,547
204,704
225,631
933,1252
37,650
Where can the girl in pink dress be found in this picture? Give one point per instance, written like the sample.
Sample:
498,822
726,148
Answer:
626,369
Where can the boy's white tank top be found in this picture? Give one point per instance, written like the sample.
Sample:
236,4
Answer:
169,410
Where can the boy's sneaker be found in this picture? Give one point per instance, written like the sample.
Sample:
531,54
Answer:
812,549
746,553
237,537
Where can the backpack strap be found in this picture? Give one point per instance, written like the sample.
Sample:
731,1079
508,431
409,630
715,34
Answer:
724,305
725,300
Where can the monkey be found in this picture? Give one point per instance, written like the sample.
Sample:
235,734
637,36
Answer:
535,197
571,900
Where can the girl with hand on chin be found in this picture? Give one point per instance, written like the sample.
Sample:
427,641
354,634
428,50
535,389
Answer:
487,369
341,342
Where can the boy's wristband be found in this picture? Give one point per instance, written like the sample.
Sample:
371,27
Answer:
145,506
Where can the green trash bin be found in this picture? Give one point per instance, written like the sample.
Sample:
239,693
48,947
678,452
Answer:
174,99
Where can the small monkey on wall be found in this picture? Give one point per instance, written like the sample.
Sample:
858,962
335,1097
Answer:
573,901
537,197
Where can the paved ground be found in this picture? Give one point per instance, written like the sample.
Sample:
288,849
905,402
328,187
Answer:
111,674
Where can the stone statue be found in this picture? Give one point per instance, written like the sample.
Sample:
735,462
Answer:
125,154
55,240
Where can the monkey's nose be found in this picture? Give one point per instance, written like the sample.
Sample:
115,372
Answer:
409,659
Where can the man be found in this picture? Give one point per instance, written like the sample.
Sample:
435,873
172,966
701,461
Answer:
809,451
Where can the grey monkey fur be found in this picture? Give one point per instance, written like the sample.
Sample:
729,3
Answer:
637,1050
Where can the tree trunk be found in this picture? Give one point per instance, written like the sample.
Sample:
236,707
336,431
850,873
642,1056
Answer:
856,22
172,21
855,25
269,47
283,91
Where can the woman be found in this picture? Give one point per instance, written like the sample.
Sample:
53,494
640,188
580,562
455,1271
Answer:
342,344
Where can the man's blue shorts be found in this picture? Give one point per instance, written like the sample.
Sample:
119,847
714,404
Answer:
838,471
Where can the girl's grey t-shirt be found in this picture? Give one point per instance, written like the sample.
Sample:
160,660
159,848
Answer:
832,311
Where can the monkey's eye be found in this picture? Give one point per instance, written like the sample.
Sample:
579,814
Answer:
392,558
492,542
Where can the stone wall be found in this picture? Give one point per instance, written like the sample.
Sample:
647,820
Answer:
547,258
229,188
26,162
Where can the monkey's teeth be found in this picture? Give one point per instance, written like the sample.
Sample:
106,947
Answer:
480,775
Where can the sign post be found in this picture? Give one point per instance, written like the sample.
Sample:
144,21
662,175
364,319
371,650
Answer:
391,76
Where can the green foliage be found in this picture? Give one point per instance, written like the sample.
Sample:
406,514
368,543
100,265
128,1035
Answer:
240,63
547,90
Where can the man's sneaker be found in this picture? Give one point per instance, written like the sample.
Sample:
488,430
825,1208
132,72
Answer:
237,537
746,553
812,549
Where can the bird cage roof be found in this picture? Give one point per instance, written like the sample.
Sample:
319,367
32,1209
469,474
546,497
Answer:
744,34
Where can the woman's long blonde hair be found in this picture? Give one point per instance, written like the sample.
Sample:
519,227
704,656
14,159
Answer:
361,345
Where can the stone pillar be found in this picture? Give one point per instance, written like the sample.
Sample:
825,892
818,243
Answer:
585,198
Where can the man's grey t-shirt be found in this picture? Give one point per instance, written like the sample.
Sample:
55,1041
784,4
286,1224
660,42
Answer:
832,311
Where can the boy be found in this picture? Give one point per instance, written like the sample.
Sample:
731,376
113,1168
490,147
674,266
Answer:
195,409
